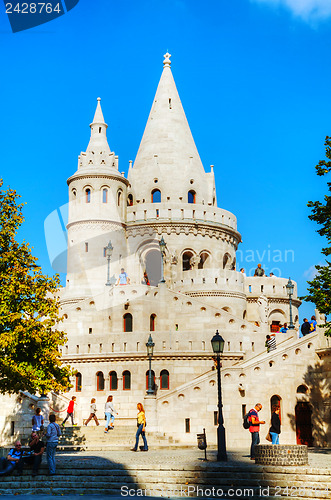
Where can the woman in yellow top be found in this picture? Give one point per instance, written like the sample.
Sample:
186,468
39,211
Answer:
141,423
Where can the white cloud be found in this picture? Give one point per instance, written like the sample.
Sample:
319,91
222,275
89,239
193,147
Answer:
311,272
306,9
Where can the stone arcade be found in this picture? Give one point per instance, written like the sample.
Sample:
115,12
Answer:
168,193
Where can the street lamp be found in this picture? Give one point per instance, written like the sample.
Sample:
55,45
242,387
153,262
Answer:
150,346
162,245
109,252
289,289
217,343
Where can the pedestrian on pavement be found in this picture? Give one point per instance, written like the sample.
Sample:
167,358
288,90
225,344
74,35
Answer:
37,421
109,414
52,435
37,447
70,411
93,410
254,428
12,461
141,424
275,425
305,327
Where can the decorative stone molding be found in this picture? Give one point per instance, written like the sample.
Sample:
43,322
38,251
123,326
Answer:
216,293
112,177
124,357
268,454
95,224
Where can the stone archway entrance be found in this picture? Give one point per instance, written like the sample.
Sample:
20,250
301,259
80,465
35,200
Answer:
303,424
153,266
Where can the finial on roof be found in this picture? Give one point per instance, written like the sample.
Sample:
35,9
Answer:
167,62
98,117
98,98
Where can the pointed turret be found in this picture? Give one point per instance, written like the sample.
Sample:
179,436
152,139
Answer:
167,151
98,156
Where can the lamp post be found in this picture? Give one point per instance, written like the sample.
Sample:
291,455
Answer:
217,343
162,245
150,346
289,289
109,252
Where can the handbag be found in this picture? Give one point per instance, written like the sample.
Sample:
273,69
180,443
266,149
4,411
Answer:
268,437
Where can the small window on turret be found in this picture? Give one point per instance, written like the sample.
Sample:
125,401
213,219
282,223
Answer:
156,196
169,103
119,197
130,200
99,130
191,196
86,247
104,195
88,195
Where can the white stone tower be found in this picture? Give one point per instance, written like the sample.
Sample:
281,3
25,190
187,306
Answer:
97,211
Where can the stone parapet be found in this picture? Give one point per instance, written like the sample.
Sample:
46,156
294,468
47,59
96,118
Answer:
268,454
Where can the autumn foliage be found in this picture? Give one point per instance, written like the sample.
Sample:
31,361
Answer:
29,312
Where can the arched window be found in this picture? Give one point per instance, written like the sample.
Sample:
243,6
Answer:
203,258
119,198
100,382
88,195
275,400
164,379
104,195
156,196
186,260
113,381
127,322
302,389
152,319
191,196
78,382
130,200
153,380
126,380
226,261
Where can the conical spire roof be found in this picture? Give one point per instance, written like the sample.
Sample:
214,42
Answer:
167,149
98,116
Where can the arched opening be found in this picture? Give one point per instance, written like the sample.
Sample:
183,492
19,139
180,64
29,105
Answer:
104,195
303,423
130,200
186,260
191,195
127,322
164,379
156,196
126,380
275,400
204,256
302,389
78,382
227,261
276,318
100,382
152,321
113,381
119,198
244,314
88,195
153,266
153,380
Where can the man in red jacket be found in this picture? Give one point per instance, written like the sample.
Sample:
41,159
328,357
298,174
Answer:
70,411
255,427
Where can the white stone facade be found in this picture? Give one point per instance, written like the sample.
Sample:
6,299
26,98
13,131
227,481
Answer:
202,292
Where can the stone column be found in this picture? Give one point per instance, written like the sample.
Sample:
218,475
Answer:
44,404
150,405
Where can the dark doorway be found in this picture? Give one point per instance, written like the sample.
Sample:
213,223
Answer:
303,424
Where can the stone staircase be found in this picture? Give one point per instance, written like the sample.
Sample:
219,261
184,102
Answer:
95,475
122,437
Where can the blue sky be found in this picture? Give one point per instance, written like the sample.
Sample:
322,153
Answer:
254,79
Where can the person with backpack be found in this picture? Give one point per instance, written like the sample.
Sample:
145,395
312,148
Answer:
254,427
13,461
52,435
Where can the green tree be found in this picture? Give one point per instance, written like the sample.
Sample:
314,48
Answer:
29,312
319,289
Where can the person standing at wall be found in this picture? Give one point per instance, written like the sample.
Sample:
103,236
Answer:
13,461
313,324
93,410
70,411
275,425
52,435
254,428
141,424
305,327
37,421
